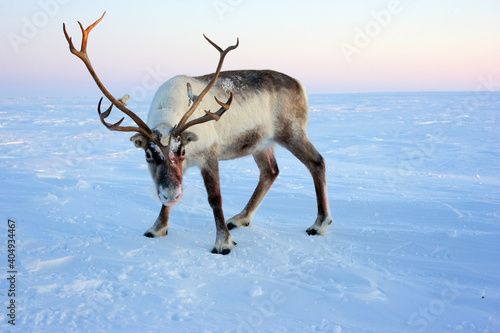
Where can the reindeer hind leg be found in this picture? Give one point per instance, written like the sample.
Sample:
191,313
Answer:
302,148
268,172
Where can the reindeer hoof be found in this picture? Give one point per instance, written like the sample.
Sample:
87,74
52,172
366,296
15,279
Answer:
223,252
225,248
312,231
238,221
319,227
152,233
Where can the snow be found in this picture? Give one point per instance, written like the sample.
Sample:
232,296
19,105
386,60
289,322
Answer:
414,191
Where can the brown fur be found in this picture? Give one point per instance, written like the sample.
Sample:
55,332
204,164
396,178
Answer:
256,80
244,143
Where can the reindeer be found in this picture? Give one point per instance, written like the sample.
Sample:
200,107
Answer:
269,108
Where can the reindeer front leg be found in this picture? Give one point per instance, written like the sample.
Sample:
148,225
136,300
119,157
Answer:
160,227
210,173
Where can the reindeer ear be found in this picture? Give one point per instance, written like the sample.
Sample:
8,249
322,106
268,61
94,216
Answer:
187,137
139,140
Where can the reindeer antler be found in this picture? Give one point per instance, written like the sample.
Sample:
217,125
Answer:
141,126
82,54
183,124
208,115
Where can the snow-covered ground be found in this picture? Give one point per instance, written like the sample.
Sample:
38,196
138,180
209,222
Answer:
414,188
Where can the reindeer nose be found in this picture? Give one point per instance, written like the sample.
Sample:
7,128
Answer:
169,197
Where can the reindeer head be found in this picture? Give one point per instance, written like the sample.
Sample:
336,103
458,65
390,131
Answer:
165,163
165,152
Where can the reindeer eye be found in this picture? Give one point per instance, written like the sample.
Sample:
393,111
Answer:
182,151
149,157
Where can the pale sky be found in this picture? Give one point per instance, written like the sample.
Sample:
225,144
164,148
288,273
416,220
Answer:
342,46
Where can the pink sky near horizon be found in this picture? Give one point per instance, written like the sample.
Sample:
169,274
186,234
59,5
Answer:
392,45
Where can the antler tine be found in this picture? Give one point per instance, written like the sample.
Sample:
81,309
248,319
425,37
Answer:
104,114
197,102
208,115
228,103
229,48
116,126
85,35
82,54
